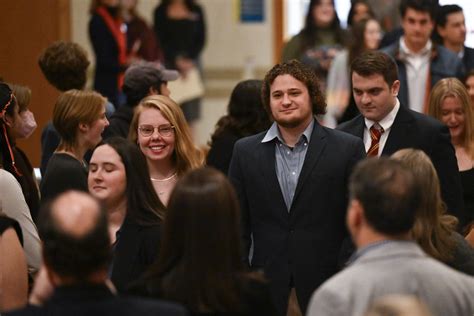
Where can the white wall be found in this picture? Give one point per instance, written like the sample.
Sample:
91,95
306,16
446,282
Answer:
229,43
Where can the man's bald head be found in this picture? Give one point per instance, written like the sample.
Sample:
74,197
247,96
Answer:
75,236
75,213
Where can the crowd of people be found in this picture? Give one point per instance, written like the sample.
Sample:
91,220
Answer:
340,184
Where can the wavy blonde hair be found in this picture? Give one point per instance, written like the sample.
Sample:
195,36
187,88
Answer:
452,87
186,155
433,227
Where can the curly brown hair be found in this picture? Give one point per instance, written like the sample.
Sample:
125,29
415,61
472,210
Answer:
64,64
300,72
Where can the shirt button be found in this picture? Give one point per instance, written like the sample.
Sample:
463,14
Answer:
293,173
288,152
306,144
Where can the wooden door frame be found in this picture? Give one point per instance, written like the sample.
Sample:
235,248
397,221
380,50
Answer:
278,27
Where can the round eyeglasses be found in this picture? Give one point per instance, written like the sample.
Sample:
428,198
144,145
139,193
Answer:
147,130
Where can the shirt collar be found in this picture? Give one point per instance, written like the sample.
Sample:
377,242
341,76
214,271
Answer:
388,120
373,246
273,132
405,51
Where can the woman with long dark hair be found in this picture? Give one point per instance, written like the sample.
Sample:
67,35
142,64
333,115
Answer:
320,39
245,116
366,35
200,264
118,176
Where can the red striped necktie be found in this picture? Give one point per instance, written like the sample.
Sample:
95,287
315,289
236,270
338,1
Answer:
376,132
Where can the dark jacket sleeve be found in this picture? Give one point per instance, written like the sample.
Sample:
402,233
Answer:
444,160
237,179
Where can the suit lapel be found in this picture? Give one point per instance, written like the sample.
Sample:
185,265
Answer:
316,147
359,127
399,132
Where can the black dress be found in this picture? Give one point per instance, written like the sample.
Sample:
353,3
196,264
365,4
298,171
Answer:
467,181
63,173
180,37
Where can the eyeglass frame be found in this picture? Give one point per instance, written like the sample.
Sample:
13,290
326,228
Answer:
140,131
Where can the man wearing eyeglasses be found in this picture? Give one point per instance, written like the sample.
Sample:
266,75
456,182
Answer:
141,80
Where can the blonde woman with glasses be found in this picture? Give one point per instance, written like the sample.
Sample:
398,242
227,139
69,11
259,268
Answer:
160,130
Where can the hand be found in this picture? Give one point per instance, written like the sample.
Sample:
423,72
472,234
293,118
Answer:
184,65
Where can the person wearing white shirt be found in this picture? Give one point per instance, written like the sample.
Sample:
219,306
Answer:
376,87
420,62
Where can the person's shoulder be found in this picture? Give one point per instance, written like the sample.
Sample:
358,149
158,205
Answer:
250,141
295,39
443,52
26,311
455,280
63,167
447,63
463,256
348,126
197,8
390,49
63,161
49,128
6,178
425,121
341,135
333,297
148,306
96,20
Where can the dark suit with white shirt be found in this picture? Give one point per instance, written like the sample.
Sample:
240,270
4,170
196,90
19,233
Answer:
411,129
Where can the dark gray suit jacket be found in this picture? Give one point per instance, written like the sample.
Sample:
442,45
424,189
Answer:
300,245
415,130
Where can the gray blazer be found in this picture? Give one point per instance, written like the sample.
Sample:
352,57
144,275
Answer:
395,267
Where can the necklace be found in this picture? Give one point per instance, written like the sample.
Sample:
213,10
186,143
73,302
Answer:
165,179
